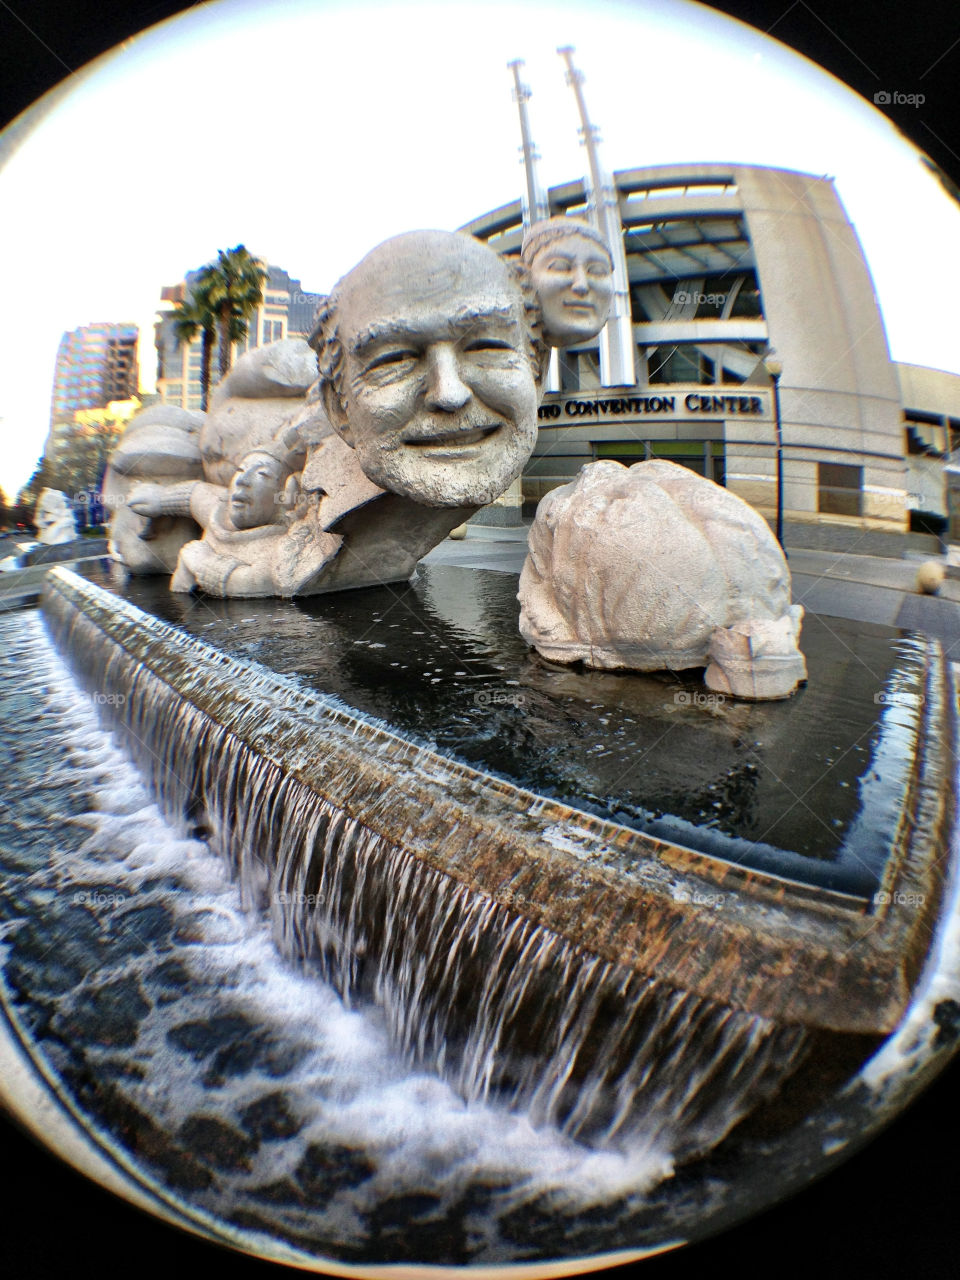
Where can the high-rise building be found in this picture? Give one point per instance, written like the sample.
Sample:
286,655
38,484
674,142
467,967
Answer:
286,312
95,364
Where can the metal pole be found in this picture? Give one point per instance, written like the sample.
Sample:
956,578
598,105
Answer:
617,348
536,209
779,428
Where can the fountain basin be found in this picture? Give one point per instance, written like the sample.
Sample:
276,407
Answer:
619,985
508,1009
817,957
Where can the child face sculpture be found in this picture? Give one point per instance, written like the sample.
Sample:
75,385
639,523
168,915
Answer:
255,491
573,277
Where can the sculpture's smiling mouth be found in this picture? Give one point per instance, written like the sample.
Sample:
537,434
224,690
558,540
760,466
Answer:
448,441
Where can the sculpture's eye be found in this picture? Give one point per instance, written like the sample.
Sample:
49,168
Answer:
484,343
560,264
392,359
597,269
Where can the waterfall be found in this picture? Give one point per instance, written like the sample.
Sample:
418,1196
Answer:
385,893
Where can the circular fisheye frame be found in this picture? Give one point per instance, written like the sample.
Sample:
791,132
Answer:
480,641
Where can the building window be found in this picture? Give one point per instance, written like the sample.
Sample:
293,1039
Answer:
839,489
678,364
926,434
569,371
705,457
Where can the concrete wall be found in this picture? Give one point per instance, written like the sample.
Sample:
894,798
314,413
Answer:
840,395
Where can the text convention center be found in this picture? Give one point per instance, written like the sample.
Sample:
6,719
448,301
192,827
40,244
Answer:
753,318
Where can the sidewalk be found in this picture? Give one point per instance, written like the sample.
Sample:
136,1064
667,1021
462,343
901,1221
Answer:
863,588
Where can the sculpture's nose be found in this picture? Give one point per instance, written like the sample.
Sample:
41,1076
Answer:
581,284
446,390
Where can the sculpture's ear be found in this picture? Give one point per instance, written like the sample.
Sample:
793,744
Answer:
291,493
336,413
538,350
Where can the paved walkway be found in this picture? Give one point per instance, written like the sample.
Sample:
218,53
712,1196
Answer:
21,587
835,583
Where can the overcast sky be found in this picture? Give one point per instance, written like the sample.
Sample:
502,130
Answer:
310,131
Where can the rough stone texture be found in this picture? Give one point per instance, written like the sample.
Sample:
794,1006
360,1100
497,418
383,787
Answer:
757,659
275,371
425,409
258,397
652,567
160,445
54,518
573,275
260,535
430,367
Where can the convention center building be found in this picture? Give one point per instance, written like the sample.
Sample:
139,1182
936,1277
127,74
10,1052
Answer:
752,308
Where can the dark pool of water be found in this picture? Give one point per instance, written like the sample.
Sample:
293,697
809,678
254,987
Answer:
809,787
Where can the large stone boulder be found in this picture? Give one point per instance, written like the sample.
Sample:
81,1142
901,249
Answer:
652,567
161,444
259,395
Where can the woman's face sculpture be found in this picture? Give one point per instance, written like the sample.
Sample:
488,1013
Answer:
574,281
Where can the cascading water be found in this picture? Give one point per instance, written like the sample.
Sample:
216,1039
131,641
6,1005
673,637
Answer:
493,1001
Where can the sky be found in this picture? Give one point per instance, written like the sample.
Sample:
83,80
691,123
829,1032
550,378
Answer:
310,131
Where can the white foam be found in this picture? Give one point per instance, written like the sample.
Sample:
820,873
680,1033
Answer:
422,1132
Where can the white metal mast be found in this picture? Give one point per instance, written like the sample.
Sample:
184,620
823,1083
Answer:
535,206
617,367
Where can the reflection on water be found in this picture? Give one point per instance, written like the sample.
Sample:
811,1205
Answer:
809,787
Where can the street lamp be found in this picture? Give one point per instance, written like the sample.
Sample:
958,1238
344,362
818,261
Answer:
774,366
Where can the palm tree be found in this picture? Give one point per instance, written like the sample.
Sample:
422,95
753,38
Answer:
233,289
193,315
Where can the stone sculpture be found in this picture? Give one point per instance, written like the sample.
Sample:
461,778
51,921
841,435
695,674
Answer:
425,409
431,368
257,539
160,446
257,397
652,567
572,272
54,518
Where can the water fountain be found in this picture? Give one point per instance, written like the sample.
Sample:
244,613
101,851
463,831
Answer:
634,967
